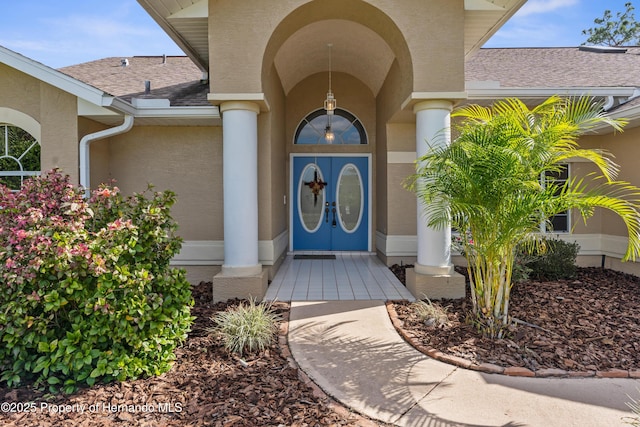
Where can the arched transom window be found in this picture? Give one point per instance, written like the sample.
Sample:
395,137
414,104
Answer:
19,156
340,128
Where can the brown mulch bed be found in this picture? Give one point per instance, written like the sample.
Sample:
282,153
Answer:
206,387
589,324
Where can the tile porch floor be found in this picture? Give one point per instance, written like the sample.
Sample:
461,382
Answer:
351,276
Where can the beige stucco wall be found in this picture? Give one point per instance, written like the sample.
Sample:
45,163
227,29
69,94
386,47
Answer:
272,187
185,160
388,103
58,118
426,37
353,96
593,224
401,139
397,208
626,152
53,109
19,91
626,149
99,152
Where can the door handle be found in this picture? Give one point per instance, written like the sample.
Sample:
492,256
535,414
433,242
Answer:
334,223
326,215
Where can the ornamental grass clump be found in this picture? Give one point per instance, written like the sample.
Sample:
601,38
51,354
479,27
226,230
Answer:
87,294
634,405
430,313
246,327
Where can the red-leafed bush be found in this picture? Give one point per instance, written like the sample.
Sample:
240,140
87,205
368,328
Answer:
87,293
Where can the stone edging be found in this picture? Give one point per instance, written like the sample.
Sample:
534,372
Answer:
337,407
489,368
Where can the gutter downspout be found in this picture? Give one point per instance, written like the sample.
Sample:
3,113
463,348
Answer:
610,101
85,174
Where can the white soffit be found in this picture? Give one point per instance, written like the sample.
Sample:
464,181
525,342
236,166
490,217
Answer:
86,108
481,5
196,10
186,22
482,18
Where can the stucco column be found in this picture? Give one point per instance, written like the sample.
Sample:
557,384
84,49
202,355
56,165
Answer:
240,187
433,122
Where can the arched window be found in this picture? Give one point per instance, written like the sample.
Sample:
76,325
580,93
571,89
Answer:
19,156
340,128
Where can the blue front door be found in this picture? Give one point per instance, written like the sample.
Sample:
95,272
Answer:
330,203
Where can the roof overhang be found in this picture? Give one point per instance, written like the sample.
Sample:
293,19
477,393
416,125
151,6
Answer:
492,91
485,93
631,114
187,26
482,18
55,78
102,107
187,23
151,115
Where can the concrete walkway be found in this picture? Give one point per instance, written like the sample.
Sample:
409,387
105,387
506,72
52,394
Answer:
351,350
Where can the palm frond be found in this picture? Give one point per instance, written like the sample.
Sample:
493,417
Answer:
488,182
588,114
619,197
602,159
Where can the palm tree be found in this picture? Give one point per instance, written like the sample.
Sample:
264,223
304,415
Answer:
488,186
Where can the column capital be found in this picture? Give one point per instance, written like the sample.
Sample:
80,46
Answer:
255,98
240,105
433,104
420,97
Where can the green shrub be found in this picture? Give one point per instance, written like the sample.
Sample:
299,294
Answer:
555,260
521,266
88,294
246,327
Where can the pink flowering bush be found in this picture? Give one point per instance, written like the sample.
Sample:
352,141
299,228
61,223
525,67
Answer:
86,290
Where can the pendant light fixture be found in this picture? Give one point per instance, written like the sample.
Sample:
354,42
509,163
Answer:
329,105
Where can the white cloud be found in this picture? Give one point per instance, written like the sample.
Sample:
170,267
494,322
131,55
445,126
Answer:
533,7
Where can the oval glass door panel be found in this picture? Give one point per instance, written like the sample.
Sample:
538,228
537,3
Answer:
350,198
311,197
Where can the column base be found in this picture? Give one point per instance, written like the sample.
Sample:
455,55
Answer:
429,270
227,287
242,271
449,286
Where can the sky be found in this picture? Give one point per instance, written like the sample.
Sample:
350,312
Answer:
555,23
58,33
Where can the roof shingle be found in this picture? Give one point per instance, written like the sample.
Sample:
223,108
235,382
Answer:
555,67
176,79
